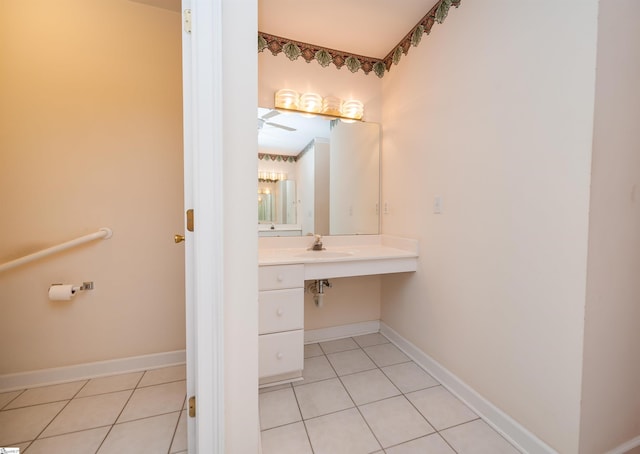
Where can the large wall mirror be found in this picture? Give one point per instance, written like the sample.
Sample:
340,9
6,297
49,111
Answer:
317,175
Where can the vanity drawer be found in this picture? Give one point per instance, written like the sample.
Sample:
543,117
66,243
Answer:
280,276
281,310
280,353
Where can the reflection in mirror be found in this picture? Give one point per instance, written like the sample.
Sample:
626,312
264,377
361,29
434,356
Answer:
317,175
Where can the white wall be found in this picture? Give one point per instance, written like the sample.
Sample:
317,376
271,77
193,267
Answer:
91,136
322,176
306,190
493,112
355,179
610,398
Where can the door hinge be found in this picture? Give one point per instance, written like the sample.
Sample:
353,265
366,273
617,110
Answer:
186,20
190,219
192,406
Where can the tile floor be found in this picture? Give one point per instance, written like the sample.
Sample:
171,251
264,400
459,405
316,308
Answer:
359,395
142,412
363,395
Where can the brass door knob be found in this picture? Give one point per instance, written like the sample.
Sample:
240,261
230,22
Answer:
178,238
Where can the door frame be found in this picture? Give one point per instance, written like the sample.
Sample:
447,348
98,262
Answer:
203,185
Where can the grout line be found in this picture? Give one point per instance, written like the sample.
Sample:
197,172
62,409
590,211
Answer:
175,431
119,414
361,415
158,384
52,419
295,396
14,398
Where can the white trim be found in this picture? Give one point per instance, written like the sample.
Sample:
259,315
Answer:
43,377
189,261
208,202
509,428
338,332
626,447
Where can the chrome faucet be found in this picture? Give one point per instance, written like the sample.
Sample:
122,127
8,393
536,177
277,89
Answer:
317,243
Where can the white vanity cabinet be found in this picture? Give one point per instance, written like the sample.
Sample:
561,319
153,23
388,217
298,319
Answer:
280,323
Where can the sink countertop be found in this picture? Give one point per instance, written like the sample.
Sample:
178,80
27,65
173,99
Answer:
286,256
343,256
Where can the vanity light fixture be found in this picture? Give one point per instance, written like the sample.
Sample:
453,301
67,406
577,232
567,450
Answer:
271,177
310,102
287,99
313,103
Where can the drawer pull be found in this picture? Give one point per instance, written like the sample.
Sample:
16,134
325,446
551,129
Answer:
279,355
279,312
280,278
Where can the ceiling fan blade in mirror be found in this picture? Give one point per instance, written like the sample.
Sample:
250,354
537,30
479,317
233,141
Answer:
276,125
271,114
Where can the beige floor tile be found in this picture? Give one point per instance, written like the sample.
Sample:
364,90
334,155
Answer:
7,397
110,384
350,362
143,436
431,444
86,441
322,397
395,421
88,413
344,432
338,345
316,369
46,394
409,377
386,354
24,424
476,437
441,408
21,446
278,408
289,439
164,375
369,386
311,350
179,442
368,340
154,400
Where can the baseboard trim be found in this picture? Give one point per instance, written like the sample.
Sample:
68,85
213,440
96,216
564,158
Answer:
626,447
509,428
43,377
342,331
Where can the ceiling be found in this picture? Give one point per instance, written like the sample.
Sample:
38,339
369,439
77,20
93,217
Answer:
272,139
370,28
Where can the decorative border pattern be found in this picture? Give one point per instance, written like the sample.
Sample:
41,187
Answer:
296,49
437,14
277,157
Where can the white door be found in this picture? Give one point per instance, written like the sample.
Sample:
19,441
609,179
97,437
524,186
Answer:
203,193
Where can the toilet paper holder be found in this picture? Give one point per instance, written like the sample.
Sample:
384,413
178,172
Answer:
84,286
87,286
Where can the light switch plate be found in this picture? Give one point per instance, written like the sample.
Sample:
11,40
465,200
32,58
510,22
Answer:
437,205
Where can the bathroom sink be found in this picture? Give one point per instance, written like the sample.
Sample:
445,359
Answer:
324,254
